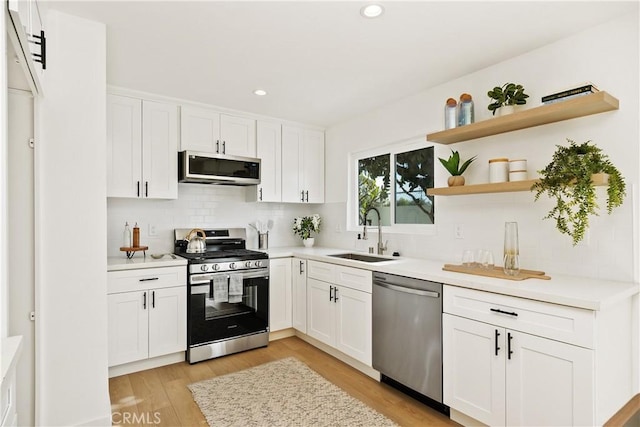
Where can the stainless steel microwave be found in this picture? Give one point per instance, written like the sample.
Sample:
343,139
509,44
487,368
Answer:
205,168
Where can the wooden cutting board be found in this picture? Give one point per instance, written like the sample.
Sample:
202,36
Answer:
496,272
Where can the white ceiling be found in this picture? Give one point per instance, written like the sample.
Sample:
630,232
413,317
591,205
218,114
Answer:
321,62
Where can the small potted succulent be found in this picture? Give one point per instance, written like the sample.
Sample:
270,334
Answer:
304,226
568,180
452,165
505,98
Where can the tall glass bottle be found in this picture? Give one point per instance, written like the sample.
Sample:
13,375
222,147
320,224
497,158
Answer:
465,110
450,114
511,250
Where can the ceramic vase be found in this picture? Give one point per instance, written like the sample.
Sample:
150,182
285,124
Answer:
308,242
505,110
455,181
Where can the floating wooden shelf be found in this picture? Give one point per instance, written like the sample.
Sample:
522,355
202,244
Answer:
581,106
502,187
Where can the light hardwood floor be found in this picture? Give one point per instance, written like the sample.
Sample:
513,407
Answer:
160,396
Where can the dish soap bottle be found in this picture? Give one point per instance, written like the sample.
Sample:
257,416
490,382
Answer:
126,237
136,236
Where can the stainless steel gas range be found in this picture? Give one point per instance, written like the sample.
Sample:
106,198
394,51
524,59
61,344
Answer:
228,294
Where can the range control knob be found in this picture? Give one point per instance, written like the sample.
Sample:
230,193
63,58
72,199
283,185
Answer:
215,267
204,267
232,265
247,264
258,263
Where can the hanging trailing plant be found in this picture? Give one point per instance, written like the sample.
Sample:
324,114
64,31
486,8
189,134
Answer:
567,179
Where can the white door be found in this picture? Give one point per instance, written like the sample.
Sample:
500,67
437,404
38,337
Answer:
269,150
199,129
353,323
128,327
313,166
167,320
321,310
159,150
299,298
124,146
473,374
238,136
549,383
279,294
292,138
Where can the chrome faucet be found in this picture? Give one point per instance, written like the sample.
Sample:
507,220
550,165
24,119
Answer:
381,247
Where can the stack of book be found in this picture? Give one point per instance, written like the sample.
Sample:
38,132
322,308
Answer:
585,89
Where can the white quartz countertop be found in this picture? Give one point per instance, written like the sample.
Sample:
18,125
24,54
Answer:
139,261
591,294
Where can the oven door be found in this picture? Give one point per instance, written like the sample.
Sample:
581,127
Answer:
212,319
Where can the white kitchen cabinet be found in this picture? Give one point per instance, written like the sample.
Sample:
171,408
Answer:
280,304
515,361
209,131
339,308
25,31
269,151
147,313
302,165
299,294
142,145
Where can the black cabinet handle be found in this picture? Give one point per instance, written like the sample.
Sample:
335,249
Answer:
217,146
153,299
138,186
302,196
301,267
144,301
260,193
224,148
307,193
497,348
330,293
149,279
146,189
335,294
510,313
509,351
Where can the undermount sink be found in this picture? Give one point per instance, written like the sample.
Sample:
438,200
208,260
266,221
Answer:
361,257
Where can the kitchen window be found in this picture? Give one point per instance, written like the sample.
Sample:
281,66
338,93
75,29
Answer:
395,182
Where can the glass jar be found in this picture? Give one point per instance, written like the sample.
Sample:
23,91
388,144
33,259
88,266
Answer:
465,110
511,249
450,114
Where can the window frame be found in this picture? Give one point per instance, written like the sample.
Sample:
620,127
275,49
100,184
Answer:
352,196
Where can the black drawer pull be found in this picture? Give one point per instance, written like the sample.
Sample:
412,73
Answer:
509,351
149,279
510,313
496,337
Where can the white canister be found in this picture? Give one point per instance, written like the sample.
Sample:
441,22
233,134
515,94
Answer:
518,176
498,170
517,165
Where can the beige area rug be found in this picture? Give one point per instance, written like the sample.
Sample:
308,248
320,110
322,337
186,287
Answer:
281,393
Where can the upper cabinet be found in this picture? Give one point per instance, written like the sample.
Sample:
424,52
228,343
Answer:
208,131
142,148
302,165
598,102
26,33
269,150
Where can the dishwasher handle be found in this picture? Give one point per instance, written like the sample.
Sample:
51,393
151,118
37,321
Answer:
431,294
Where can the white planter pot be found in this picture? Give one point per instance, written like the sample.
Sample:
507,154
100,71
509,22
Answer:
505,110
308,242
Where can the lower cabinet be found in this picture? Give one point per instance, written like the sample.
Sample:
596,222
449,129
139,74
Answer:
144,321
299,293
504,377
339,308
280,310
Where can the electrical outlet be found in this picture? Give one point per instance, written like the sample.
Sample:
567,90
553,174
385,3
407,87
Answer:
152,230
458,231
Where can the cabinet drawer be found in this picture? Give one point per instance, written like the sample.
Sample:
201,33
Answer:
354,278
145,278
321,271
567,324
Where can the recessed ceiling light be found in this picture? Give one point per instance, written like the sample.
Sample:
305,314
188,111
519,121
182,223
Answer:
260,92
371,10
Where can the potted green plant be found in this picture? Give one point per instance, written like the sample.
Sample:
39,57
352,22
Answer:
568,180
509,95
452,165
304,226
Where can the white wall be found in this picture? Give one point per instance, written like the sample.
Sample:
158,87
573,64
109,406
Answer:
207,206
71,301
606,55
3,179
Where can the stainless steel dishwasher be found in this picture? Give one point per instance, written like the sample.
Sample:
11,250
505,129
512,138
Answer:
407,336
